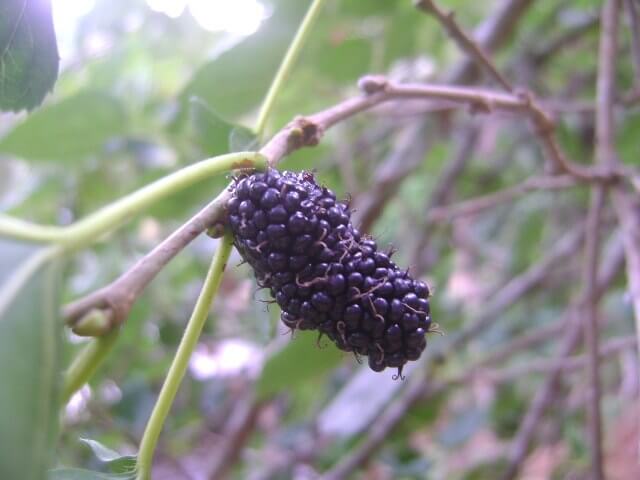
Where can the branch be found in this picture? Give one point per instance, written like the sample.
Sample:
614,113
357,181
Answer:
464,41
118,297
236,433
483,101
405,156
490,34
382,427
628,213
477,204
604,135
568,343
517,287
308,131
442,192
542,54
590,326
606,84
625,206
524,371
611,268
542,399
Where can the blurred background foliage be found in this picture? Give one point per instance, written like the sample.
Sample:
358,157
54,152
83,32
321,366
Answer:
142,93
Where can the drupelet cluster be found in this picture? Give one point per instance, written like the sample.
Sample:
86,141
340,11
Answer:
323,273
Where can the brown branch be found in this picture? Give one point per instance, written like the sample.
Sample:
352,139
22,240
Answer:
464,41
442,192
236,434
606,84
486,101
118,297
307,131
625,205
418,388
608,274
604,135
604,132
590,327
628,213
524,371
517,287
548,50
477,204
545,394
492,33
405,156
542,399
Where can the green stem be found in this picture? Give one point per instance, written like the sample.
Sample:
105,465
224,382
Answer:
181,359
287,64
84,232
86,363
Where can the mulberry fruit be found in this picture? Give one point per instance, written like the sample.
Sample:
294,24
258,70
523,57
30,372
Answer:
323,273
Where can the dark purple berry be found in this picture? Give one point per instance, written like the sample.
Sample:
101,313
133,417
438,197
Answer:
323,273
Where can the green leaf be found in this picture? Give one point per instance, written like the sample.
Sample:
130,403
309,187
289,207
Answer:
211,131
30,344
80,474
102,452
242,139
28,53
68,130
236,81
215,135
116,462
302,360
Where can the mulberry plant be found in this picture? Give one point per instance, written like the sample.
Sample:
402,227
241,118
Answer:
323,273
